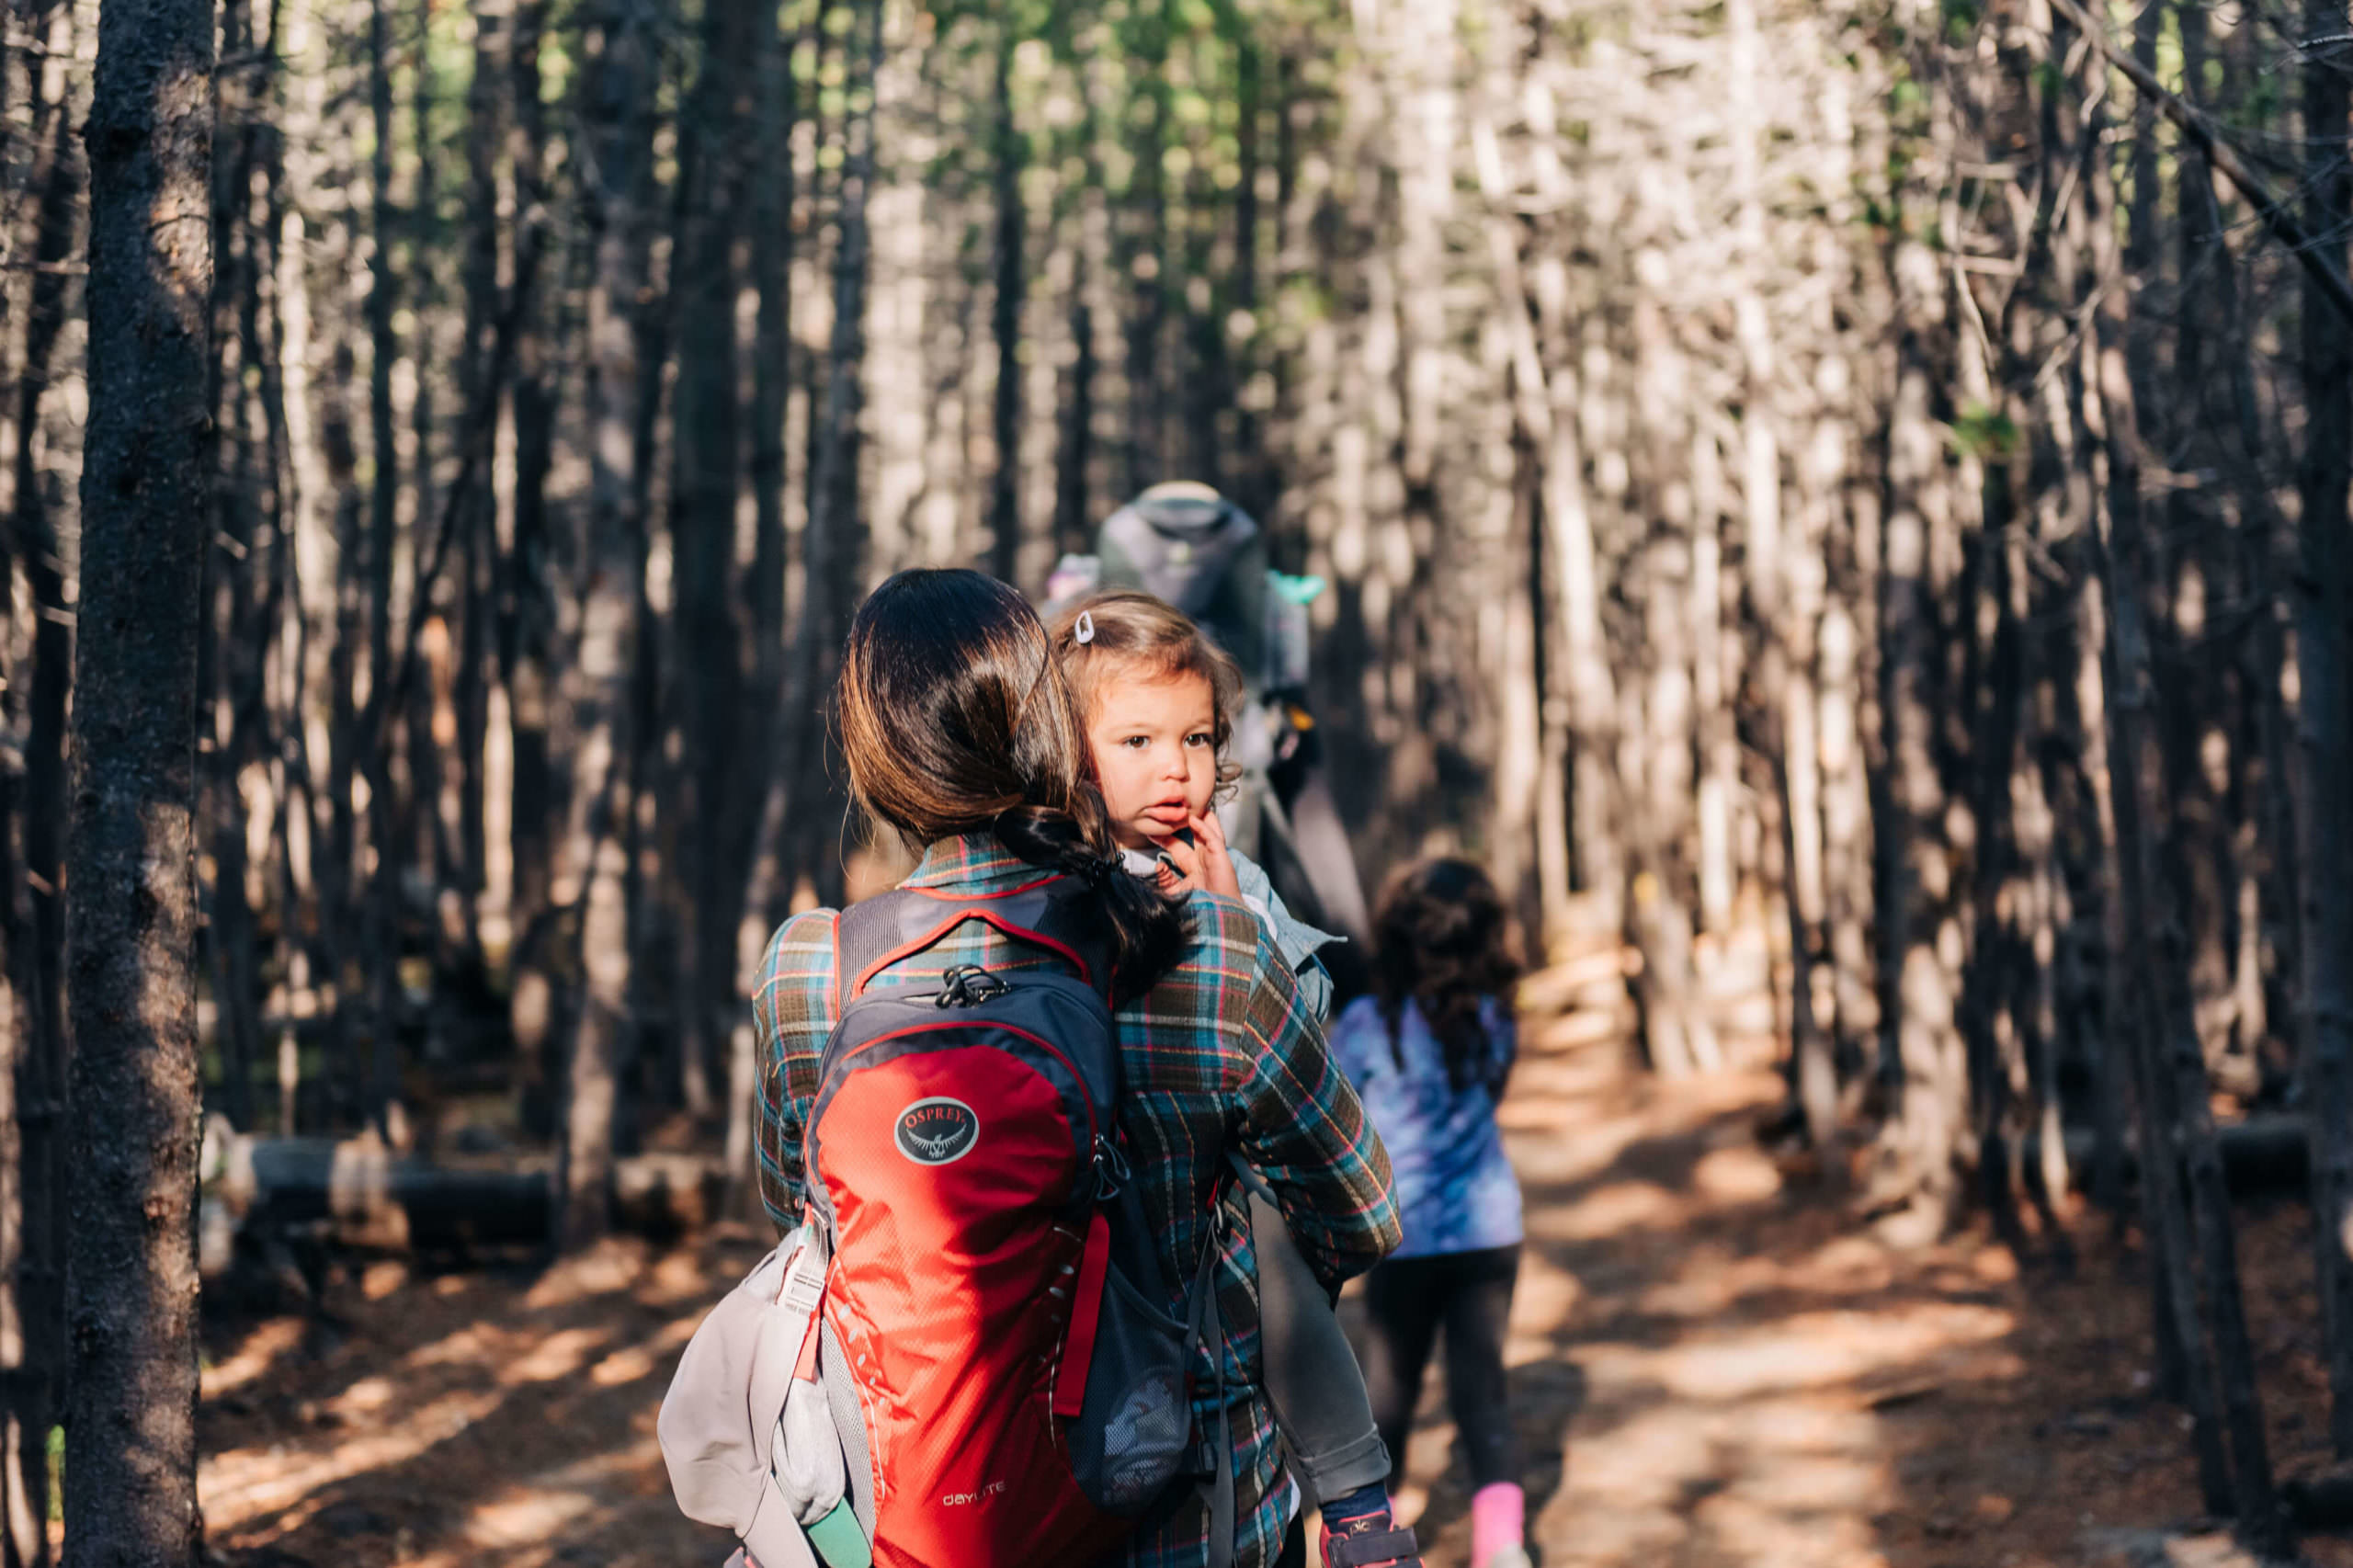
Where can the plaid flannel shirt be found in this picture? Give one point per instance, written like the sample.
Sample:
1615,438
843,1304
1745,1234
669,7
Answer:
1222,1055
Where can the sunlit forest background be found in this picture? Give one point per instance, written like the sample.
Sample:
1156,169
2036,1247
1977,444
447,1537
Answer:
1842,502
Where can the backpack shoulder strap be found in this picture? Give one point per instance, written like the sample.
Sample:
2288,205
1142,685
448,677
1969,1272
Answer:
863,933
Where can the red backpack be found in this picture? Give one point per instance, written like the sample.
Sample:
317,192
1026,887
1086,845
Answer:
994,1342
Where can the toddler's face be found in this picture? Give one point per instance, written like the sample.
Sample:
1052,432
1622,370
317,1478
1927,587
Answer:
1155,738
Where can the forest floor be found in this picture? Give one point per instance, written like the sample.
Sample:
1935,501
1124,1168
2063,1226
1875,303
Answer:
1714,1363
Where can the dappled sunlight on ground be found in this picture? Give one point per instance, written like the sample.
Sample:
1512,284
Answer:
1715,1365
1714,1368
494,1420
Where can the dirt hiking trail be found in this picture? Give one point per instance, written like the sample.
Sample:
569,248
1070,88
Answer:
1714,1364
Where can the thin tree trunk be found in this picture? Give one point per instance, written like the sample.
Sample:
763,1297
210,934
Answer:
1074,492
756,849
1011,287
229,675
617,94
383,923
2323,603
1921,1048
130,1494
39,965
709,451
2178,1120
1146,258
477,559
526,609
1247,475
2110,416
835,541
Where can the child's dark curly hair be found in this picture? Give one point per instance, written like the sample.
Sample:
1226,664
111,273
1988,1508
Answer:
1445,944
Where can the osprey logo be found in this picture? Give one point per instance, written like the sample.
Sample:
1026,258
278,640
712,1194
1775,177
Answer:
936,1132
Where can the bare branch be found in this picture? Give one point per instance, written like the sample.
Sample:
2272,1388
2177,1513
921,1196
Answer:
2284,225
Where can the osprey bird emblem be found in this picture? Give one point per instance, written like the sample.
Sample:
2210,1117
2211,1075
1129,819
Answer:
937,1130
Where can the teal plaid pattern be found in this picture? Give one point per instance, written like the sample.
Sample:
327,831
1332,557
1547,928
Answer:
1222,1055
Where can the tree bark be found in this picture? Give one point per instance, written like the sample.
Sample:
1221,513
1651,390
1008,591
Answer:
1075,460
709,451
835,540
38,964
527,610
2323,601
617,94
476,544
383,899
1011,272
1921,1048
130,1490
1145,253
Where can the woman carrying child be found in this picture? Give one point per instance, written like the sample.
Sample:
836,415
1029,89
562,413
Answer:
1429,1052
960,732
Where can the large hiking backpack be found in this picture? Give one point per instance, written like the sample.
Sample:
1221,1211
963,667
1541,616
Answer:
1188,545
1008,1385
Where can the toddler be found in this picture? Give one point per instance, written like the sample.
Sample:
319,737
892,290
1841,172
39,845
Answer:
1159,699
1428,1052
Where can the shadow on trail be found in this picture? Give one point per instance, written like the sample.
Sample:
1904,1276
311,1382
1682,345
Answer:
1717,1363
501,1419
1701,1355
1712,1367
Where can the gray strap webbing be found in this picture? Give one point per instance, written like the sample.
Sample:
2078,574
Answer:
1310,1372
1205,1328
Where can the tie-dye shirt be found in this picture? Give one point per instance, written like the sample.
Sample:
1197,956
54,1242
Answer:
1455,1188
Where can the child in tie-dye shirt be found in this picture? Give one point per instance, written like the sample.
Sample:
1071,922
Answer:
1429,1054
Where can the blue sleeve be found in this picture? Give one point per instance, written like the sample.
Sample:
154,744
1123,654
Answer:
1354,1035
1296,940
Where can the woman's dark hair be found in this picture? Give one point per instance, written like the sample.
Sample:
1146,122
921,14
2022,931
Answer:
1445,945
955,717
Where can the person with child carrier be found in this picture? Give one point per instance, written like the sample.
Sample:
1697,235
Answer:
1016,1319
1186,544
1430,1051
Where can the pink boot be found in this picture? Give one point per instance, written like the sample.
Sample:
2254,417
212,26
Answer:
1498,1527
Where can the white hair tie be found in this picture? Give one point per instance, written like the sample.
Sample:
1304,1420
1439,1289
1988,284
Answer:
1084,628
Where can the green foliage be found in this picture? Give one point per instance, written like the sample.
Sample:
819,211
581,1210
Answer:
1982,432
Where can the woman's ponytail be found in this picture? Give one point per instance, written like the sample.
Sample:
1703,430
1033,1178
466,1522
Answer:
1149,929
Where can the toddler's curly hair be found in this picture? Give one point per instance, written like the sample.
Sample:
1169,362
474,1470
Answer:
1133,633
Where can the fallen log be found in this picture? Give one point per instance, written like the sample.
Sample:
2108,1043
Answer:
2321,1500
360,1193
355,1192
2267,1153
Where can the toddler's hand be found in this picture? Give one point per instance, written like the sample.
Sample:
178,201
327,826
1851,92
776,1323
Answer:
1205,863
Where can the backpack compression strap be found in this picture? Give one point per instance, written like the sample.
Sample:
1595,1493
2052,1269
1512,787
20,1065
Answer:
874,933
